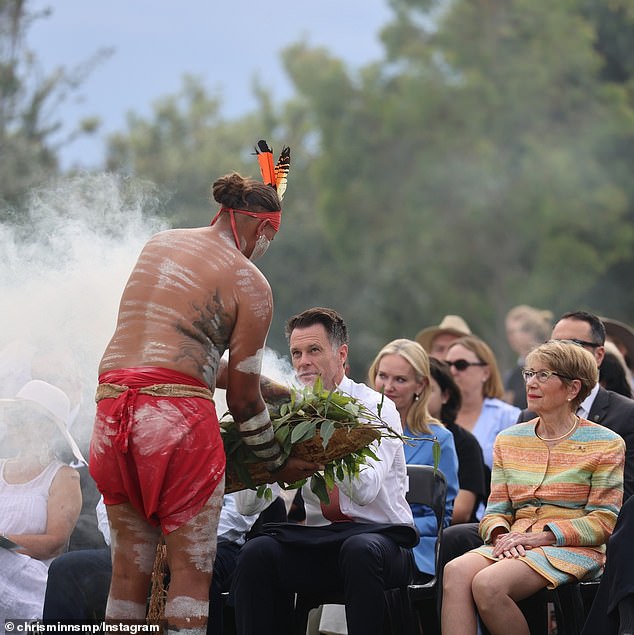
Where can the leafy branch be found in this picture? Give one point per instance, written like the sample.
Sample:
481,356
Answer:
328,427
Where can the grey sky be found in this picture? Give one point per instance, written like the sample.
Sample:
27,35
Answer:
157,41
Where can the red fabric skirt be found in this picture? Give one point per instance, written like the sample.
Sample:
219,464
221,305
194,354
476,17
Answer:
164,455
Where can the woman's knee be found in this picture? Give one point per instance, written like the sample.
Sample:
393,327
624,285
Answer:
486,586
453,572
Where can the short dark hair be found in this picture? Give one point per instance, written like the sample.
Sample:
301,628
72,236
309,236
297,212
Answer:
441,373
336,328
597,328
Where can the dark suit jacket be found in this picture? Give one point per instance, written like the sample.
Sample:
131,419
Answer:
615,412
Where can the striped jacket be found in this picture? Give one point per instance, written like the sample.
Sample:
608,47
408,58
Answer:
574,488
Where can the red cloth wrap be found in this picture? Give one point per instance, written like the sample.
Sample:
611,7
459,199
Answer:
164,455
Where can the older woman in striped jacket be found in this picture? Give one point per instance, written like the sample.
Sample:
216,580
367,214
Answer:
556,490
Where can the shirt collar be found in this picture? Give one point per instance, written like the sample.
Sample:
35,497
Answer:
584,408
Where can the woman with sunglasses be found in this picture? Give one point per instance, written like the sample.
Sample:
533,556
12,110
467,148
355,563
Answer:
556,491
401,372
444,404
483,412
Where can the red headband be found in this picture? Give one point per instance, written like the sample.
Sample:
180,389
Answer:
275,218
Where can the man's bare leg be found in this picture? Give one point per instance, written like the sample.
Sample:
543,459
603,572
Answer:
133,543
191,551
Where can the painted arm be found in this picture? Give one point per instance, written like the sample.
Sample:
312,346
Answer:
244,397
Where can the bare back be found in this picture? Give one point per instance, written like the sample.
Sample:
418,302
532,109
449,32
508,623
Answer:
191,295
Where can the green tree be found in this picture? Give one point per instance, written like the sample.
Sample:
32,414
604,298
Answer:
185,144
467,172
482,163
29,102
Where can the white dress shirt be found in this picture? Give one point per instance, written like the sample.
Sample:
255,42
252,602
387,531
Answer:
377,494
586,405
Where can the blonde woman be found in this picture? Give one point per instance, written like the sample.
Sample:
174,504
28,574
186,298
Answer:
401,371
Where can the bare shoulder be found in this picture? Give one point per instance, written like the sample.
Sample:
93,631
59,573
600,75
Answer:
66,476
249,280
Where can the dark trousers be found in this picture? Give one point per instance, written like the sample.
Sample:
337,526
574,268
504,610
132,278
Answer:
362,567
79,581
457,540
77,587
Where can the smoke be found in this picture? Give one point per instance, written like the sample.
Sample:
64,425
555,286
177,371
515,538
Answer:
63,266
64,262
274,366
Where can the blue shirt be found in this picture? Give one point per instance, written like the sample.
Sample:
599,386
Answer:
496,415
420,453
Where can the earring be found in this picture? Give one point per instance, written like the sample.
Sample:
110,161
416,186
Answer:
416,396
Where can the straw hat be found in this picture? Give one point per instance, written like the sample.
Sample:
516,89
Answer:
624,334
452,324
50,401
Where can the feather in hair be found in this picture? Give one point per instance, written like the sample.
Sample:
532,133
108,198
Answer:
281,171
265,160
277,175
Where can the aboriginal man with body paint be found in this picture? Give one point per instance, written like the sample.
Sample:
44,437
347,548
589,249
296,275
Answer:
156,452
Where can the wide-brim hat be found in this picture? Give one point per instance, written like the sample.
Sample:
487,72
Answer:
49,400
452,324
624,334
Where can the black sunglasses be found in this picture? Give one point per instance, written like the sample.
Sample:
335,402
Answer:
463,364
580,342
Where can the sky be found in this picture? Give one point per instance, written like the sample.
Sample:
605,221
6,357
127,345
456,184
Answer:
156,42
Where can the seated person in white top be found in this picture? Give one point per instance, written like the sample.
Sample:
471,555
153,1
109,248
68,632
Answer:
40,498
353,547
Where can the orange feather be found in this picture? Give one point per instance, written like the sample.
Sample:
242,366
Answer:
265,160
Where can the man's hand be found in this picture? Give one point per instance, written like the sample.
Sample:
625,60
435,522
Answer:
295,470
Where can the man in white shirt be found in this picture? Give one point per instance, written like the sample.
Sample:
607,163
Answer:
360,544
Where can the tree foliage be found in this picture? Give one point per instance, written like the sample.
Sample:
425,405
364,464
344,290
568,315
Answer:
29,106
484,162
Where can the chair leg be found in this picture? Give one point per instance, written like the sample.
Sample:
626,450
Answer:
569,609
304,604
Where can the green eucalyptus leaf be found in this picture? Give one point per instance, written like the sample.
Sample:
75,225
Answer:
303,431
325,432
318,487
352,408
329,476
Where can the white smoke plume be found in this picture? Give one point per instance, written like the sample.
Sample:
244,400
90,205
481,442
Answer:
63,266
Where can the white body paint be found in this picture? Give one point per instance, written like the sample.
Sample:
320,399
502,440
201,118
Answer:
251,365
